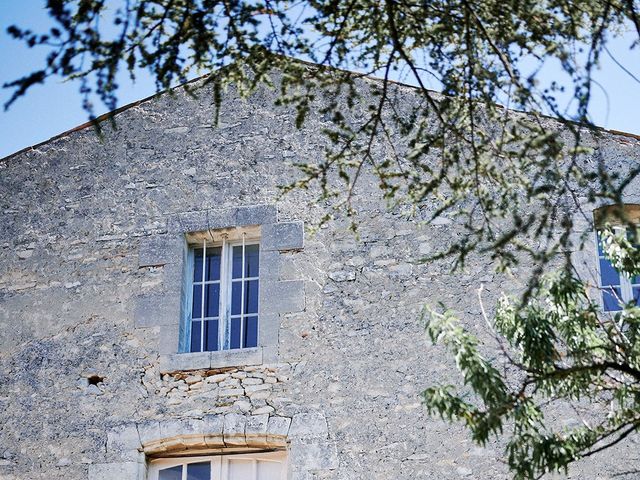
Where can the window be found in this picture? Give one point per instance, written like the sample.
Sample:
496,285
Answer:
224,293
617,288
262,466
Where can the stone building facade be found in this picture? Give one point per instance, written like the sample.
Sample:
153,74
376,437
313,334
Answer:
97,274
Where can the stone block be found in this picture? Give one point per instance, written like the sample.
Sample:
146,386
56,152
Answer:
185,361
269,327
149,431
255,215
309,425
278,426
117,471
314,455
283,236
234,358
156,310
213,424
199,220
123,443
168,341
159,250
172,428
269,265
234,430
213,428
256,428
282,297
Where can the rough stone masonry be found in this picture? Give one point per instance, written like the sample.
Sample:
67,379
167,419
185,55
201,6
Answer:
92,236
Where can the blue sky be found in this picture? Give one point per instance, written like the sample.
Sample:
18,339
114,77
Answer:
56,106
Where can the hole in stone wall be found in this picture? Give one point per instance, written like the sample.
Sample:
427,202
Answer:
95,379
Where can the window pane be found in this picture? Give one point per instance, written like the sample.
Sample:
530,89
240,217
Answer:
636,295
199,471
173,473
212,300
236,298
251,332
195,336
211,335
611,298
213,263
269,470
196,305
251,297
252,260
235,333
197,265
240,469
608,274
236,271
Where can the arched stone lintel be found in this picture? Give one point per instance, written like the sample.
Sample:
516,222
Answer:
193,444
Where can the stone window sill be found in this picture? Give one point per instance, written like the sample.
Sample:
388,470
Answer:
208,360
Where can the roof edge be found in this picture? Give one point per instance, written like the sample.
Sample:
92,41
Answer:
113,113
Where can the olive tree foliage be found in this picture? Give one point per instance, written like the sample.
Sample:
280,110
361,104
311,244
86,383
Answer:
557,353
510,180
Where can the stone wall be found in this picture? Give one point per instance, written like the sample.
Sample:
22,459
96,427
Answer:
83,392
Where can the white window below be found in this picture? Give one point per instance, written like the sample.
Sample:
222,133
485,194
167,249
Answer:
257,466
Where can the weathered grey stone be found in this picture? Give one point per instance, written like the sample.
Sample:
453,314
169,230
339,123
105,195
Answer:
315,455
283,236
113,471
185,361
156,310
256,426
234,429
255,215
159,250
232,358
123,443
309,425
205,219
282,297
278,425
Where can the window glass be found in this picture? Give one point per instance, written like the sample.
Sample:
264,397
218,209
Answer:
611,299
636,295
196,335
251,296
230,298
196,304
252,260
214,257
173,473
236,298
199,471
211,332
212,300
608,274
235,333
251,332
237,262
